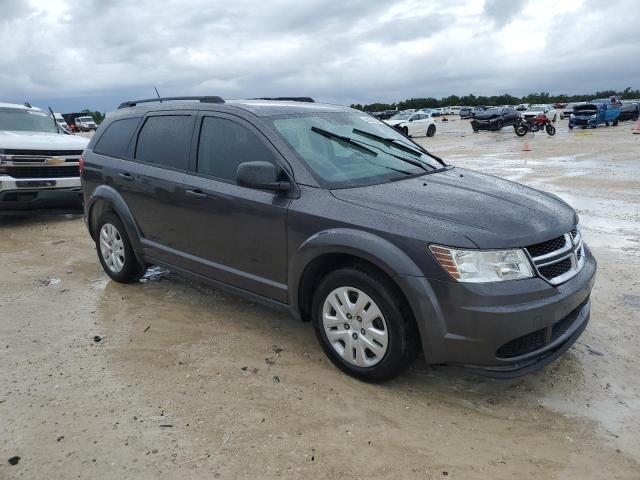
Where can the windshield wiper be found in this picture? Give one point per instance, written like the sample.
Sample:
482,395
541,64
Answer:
344,139
399,144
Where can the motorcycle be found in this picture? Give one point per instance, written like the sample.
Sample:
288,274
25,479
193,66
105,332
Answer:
534,124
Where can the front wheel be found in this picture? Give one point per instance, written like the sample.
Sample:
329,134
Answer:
405,130
499,125
114,250
521,129
551,130
431,131
555,117
615,123
363,324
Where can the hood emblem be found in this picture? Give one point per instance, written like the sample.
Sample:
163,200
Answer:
55,160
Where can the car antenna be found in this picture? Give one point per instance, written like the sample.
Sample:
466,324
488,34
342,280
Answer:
53,117
158,94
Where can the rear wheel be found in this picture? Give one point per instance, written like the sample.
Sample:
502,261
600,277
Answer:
615,122
431,131
115,251
521,129
363,324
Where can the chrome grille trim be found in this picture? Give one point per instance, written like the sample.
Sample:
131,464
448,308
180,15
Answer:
573,250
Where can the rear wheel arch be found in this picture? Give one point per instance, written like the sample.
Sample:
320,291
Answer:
106,199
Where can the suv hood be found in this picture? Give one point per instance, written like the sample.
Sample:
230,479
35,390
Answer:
393,123
41,141
489,211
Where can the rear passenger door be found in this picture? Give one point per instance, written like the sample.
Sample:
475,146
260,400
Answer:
239,233
151,181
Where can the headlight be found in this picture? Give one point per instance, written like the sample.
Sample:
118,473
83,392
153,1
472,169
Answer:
475,266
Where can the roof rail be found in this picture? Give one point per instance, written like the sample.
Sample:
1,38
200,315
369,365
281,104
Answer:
290,99
133,103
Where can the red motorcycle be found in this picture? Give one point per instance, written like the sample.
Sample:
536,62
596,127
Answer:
534,124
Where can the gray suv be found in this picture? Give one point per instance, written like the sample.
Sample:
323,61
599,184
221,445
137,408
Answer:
330,214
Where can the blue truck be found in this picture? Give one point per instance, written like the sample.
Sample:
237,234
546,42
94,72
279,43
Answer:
597,112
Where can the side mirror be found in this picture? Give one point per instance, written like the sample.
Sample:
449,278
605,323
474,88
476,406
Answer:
261,175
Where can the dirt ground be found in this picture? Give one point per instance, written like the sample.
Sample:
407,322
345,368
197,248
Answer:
189,382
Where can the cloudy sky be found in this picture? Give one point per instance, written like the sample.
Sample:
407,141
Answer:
95,53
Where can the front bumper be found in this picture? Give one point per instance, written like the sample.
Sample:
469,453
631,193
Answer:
484,124
500,329
53,195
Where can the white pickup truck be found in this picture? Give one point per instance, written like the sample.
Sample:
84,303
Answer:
86,123
39,162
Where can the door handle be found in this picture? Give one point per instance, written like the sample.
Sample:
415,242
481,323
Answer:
196,193
126,176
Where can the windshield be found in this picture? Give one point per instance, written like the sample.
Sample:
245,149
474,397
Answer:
343,162
401,116
22,120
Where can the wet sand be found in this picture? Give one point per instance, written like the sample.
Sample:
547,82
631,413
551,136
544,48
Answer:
190,382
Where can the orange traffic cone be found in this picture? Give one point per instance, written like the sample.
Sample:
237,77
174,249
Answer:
636,129
525,146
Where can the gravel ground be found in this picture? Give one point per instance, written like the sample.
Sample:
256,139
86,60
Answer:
189,382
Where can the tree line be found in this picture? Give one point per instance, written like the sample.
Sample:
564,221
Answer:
505,99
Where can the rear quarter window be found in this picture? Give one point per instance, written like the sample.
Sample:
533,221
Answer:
165,140
115,140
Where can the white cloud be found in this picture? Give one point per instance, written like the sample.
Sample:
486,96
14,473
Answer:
97,53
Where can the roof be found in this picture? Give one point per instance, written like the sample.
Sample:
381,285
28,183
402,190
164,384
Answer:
260,108
18,106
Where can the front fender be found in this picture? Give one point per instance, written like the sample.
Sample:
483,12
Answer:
364,245
105,198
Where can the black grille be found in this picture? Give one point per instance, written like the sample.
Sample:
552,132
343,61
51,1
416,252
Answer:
43,172
522,345
43,153
549,246
555,269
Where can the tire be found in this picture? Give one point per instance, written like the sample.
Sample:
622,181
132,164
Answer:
390,341
555,117
114,250
431,131
551,130
570,127
499,125
606,124
405,130
521,129
615,123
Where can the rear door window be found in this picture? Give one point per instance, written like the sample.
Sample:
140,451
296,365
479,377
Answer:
225,144
165,140
115,140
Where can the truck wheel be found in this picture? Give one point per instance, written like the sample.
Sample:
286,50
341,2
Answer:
115,251
431,131
606,124
363,324
615,123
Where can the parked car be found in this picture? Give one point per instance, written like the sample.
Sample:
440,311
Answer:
494,119
386,114
38,162
414,124
629,111
344,222
451,110
476,110
465,112
535,110
568,109
593,114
